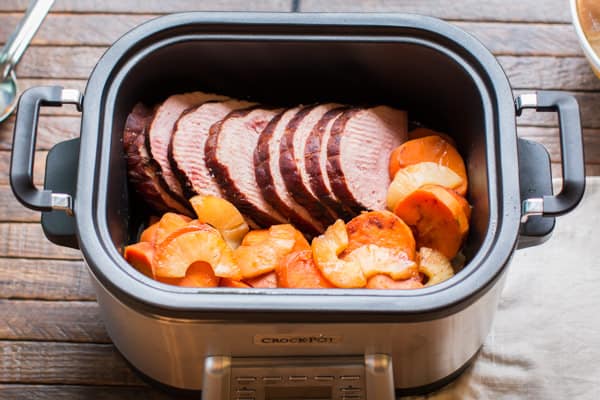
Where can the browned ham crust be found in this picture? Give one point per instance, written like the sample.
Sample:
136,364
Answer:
142,171
315,154
161,129
186,151
291,161
229,153
270,180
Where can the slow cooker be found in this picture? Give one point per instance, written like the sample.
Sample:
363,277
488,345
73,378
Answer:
291,343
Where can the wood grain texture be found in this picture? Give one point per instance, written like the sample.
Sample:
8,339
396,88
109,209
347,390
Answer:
78,392
39,166
64,363
491,10
51,130
44,280
12,211
500,38
155,6
549,138
28,241
61,321
556,73
589,104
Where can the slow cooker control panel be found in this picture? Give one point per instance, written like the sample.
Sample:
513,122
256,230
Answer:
298,378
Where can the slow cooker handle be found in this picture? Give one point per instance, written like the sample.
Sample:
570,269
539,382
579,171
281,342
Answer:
571,149
23,151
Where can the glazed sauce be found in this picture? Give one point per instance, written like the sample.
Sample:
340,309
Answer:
589,15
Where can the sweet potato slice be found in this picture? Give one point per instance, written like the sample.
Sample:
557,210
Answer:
223,216
381,228
434,265
226,282
429,149
436,217
169,223
199,274
266,281
326,250
298,270
385,282
140,256
262,256
149,234
424,132
190,244
414,176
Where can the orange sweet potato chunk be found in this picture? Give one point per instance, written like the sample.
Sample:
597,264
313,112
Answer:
298,270
266,281
381,228
429,149
385,282
436,217
140,255
199,274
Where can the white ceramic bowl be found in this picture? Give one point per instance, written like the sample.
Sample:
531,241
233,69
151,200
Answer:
589,52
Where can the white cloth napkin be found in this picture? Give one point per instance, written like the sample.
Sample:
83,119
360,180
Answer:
545,340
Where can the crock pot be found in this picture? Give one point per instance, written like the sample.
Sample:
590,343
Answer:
292,343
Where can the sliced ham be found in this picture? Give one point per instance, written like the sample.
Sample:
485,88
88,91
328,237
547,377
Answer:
271,182
161,129
141,170
292,161
229,153
315,155
187,146
358,151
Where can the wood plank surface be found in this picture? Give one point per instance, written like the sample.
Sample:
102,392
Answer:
61,321
39,167
491,10
12,211
500,38
44,280
524,72
51,130
156,6
64,363
78,392
28,241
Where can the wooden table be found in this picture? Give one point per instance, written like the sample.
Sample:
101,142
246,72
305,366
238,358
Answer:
52,342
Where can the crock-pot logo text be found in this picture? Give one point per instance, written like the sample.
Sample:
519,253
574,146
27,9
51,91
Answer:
286,340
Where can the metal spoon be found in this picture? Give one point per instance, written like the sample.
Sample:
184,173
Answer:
13,50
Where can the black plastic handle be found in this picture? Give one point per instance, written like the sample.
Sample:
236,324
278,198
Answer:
571,149
23,151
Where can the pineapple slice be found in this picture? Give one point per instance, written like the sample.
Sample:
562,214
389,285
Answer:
414,176
195,242
222,215
435,265
326,249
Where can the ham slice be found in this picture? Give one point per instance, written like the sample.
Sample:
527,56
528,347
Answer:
161,129
142,171
270,180
187,146
229,153
292,161
358,152
315,154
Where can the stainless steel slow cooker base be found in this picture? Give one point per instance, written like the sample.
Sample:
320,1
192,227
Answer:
174,352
